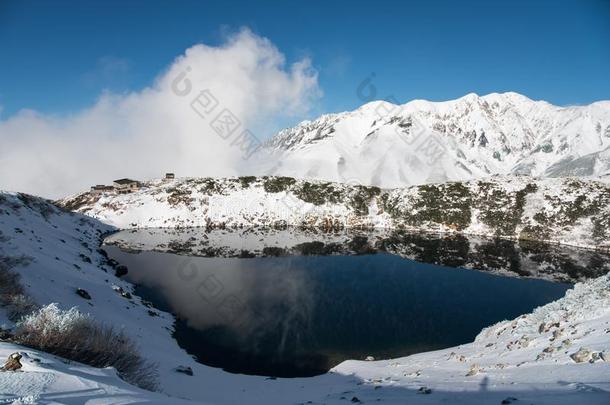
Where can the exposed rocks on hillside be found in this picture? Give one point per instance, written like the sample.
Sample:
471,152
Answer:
567,211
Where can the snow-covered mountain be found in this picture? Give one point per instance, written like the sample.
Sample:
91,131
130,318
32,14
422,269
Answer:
420,142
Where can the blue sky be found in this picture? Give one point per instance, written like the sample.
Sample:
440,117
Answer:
58,57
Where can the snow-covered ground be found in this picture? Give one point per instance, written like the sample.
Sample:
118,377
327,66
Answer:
518,358
46,379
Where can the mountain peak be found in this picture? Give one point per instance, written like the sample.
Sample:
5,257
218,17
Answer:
377,105
509,96
472,97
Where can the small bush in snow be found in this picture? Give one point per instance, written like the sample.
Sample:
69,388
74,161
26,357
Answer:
12,295
76,336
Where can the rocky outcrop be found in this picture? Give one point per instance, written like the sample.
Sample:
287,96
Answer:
13,363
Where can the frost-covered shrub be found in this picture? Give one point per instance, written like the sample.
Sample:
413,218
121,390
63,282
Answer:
43,207
12,295
76,336
20,305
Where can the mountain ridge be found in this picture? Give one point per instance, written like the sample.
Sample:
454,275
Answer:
386,145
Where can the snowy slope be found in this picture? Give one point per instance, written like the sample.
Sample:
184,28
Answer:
567,210
511,354
61,252
46,379
421,142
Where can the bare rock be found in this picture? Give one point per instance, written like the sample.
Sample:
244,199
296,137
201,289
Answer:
474,370
120,270
13,363
124,294
582,355
453,355
184,370
556,334
545,327
83,293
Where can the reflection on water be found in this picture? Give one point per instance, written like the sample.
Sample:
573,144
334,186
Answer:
522,258
301,314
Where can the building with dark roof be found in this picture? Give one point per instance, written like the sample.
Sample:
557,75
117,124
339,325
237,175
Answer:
125,186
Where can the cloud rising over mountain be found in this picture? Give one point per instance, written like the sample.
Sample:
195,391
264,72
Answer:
199,117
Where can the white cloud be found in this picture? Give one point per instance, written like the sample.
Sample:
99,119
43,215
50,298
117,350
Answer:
145,133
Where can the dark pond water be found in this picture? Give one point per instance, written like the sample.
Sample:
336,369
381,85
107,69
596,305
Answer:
302,314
